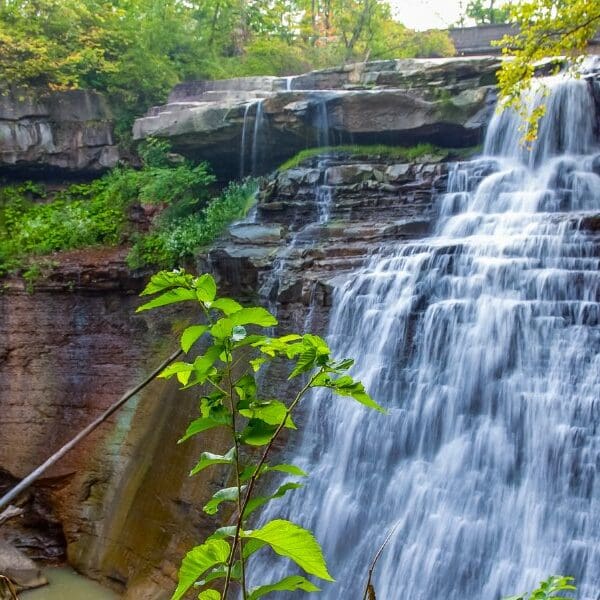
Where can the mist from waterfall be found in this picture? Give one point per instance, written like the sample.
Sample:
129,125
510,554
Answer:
483,343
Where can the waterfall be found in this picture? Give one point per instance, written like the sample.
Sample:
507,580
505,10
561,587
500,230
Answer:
257,129
483,343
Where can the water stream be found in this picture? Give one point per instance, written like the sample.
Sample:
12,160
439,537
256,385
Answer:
483,342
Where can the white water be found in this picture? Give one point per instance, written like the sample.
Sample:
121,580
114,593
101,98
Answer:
258,125
483,342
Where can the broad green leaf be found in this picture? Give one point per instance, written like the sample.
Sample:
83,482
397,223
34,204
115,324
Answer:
225,495
259,501
252,546
208,459
257,363
222,329
169,297
209,595
227,305
202,366
206,288
286,468
165,280
346,386
200,425
253,316
288,584
191,335
245,387
292,541
272,412
305,362
197,561
221,572
258,433
182,370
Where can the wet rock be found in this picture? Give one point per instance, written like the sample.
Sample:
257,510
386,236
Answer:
442,101
22,571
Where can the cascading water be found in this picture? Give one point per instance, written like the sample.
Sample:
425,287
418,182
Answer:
256,133
483,342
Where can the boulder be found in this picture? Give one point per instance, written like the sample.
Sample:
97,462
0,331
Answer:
20,569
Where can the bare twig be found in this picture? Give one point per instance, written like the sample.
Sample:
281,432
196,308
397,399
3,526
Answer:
36,473
369,589
10,513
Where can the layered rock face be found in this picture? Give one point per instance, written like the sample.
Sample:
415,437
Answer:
67,132
254,124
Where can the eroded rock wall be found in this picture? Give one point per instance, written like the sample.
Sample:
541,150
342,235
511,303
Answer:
398,102
66,133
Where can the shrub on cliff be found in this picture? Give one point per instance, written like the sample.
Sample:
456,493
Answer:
180,209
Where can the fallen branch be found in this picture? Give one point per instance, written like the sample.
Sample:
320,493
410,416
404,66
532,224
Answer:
35,474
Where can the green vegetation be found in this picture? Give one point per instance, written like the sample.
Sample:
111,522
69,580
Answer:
135,51
184,216
405,153
548,589
545,28
176,240
226,372
488,12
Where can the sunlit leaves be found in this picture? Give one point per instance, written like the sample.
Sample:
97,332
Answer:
544,28
548,589
191,335
233,400
288,584
229,494
197,561
170,297
207,459
292,541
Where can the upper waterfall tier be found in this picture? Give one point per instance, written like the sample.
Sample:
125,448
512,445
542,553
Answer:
399,102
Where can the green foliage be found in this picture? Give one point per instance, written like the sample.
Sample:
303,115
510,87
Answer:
548,589
82,215
178,238
546,28
407,153
487,12
35,223
135,51
232,351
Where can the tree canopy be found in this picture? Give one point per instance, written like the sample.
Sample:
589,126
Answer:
136,50
544,28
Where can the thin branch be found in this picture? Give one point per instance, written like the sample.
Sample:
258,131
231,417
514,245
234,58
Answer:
231,559
36,473
261,462
369,586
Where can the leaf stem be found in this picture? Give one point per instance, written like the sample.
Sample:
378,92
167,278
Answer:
256,473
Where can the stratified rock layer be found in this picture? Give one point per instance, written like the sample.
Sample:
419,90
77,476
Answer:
68,132
253,124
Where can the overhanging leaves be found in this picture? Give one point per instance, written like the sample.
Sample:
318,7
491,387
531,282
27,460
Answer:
292,541
208,459
197,561
288,584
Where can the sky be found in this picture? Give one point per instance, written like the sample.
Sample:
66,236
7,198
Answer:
427,14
